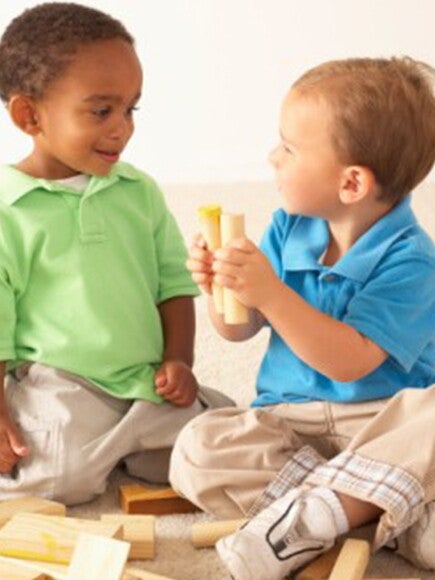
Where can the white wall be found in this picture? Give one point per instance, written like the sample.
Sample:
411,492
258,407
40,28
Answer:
216,71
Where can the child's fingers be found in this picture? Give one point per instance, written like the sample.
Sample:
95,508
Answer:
7,456
230,269
17,444
199,241
167,387
230,255
230,282
242,244
194,265
200,255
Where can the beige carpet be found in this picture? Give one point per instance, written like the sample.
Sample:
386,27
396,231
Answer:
231,367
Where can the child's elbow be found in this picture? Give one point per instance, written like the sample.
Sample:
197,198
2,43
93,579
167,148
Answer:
349,375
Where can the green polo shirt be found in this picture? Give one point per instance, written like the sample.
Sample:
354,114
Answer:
82,274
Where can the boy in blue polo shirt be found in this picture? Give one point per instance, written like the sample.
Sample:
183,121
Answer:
96,305
341,432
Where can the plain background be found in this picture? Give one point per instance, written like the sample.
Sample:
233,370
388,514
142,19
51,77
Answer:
217,70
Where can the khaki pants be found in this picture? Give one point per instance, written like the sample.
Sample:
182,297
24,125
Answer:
78,434
234,462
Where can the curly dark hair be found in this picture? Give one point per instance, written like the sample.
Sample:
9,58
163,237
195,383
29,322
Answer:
37,46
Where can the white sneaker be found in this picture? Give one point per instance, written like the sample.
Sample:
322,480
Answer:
417,543
275,542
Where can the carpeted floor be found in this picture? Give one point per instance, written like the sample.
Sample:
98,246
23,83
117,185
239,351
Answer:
231,367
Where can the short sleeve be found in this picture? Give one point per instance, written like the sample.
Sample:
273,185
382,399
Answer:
174,278
396,306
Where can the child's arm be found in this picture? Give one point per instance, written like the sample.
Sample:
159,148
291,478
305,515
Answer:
174,379
330,346
236,332
12,447
200,265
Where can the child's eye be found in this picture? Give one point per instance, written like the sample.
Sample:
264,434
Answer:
131,110
286,148
101,112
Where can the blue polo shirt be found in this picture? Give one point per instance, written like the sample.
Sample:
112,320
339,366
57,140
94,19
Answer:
384,287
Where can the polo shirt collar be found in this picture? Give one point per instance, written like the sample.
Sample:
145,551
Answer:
309,238
14,184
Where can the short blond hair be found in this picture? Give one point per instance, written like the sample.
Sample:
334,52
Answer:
383,117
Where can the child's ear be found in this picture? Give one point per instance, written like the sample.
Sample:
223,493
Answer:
357,183
23,113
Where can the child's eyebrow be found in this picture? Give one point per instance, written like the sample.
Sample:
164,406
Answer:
112,98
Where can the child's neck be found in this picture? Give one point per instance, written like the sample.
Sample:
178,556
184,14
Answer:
36,165
345,232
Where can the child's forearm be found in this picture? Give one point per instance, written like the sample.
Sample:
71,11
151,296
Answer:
178,322
3,405
236,332
330,346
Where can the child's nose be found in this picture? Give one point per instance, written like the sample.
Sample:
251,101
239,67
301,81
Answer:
121,128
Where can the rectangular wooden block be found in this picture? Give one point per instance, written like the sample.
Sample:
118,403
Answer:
352,561
48,538
12,568
138,574
138,499
38,505
138,530
206,534
98,558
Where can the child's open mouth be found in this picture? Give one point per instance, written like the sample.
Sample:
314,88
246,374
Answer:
109,156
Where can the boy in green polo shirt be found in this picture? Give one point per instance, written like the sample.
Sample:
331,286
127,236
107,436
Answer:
96,306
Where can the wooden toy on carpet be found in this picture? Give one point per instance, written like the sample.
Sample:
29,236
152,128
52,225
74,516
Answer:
138,530
139,499
39,505
98,558
48,538
206,534
352,560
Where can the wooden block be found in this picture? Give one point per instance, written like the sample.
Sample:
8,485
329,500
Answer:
38,505
138,499
352,560
233,226
321,567
139,531
138,574
206,534
98,558
33,569
48,538
14,570
55,571
209,217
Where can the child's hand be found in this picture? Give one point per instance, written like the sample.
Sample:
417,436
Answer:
243,268
12,447
176,383
199,263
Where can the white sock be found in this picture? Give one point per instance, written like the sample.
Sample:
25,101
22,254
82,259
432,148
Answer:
323,514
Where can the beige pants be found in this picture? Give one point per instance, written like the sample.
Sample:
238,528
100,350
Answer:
78,433
234,462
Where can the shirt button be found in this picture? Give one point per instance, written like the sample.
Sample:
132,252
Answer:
329,278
